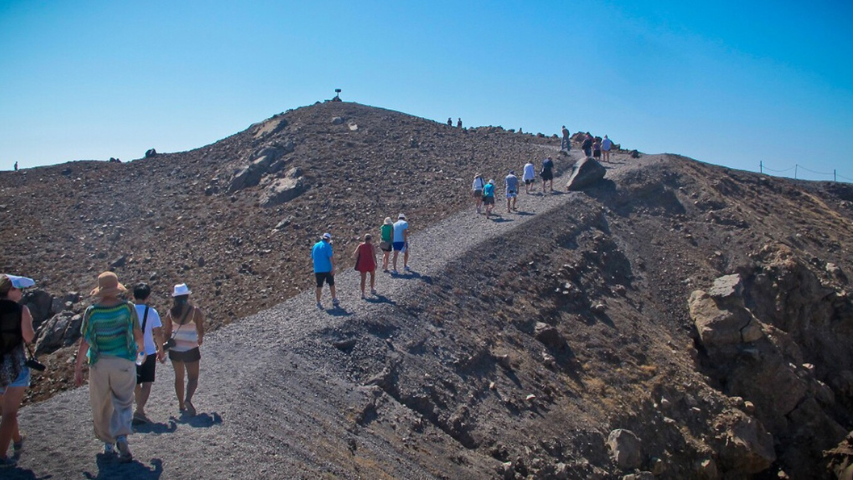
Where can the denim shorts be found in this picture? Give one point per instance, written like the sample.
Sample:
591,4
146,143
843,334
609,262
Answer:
23,380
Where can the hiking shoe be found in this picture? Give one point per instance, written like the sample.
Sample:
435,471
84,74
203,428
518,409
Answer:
109,448
406,268
335,302
319,305
373,292
124,455
363,297
394,272
7,462
18,447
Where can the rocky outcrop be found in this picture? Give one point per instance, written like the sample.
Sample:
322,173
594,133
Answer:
746,447
265,162
626,449
840,459
585,173
62,330
284,189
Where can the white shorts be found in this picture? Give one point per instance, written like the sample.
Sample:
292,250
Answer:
511,194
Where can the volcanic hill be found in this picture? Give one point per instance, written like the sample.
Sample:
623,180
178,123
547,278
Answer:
678,319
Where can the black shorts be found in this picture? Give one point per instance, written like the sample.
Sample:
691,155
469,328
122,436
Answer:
488,200
385,246
189,356
145,372
529,181
324,277
547,175
596,153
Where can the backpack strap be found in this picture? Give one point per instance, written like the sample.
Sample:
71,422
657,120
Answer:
144,319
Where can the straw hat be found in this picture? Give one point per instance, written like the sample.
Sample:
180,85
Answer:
181,289
108,285
388,221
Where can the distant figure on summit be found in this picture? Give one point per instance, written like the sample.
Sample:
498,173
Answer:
606,145
459,123
16,166
449,122
565,144
596,148
324,267
587,145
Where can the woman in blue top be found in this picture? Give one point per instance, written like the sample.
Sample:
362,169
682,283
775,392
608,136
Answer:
489,197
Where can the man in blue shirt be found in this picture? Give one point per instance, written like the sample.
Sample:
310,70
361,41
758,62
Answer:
324,267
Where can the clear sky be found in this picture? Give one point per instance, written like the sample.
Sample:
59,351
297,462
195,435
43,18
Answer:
730,83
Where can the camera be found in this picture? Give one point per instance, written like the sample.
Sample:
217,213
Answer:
168,344
35,365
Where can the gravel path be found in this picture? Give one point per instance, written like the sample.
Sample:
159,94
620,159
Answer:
263,410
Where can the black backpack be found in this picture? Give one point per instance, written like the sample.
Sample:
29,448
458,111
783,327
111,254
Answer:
11,336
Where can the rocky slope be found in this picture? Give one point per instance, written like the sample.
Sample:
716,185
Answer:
677,320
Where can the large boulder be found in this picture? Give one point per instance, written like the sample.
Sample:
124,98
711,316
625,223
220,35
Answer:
625,447
284,189
722,324
585,173
840,459
264,159
549,336
40,303
62,330
746,447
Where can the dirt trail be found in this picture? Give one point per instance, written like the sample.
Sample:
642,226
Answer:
265,409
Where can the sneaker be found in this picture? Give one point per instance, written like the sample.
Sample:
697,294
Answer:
373,292
406,268
363,297
394,272
124,455
335,302
18,447
386,271
140,418
7,462
109,448
319,305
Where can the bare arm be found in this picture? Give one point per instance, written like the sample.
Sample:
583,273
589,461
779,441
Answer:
198,318
78,369
27,326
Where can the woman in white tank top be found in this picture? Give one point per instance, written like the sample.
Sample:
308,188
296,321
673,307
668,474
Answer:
184,325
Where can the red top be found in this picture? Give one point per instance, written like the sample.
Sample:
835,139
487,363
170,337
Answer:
366,261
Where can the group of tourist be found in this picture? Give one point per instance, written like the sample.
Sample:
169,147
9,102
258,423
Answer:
394,238
113,338
484,192
595,147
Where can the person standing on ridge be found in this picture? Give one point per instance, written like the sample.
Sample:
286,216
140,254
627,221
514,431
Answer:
449,122
477,190
401,242
16,166
606,145
596,148
152,334
324,267
111,341
566,143
587,145
459,123
547,174
511,191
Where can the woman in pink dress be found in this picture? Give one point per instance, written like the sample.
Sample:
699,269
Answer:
365,262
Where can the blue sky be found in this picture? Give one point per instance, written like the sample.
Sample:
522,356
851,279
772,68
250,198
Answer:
730,83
